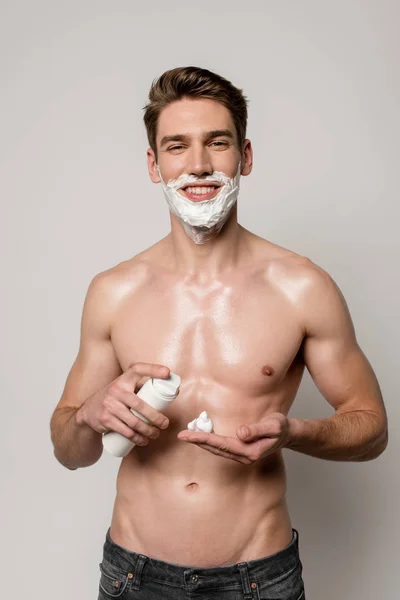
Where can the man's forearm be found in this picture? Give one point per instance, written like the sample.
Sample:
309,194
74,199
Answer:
75,443
351,436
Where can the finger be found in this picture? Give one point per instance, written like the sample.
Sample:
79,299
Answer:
135,423
195,436
141,369
155,418
223,443
249,433
115,424
248,453
242,459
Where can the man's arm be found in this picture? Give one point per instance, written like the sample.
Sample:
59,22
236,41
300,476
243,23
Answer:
343,375
75,443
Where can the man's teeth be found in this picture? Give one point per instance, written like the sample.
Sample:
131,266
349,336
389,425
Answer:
199,190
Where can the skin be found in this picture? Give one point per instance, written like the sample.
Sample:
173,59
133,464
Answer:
239,319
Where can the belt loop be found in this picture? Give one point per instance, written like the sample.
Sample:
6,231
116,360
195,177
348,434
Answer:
296,536
137,577
244,574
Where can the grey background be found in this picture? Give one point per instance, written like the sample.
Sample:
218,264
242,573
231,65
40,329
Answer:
322,79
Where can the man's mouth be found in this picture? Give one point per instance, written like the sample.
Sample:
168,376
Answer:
198,192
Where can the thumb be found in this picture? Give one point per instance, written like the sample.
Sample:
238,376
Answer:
249,433
243,432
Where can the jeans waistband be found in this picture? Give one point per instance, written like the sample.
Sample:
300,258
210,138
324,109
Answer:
269,567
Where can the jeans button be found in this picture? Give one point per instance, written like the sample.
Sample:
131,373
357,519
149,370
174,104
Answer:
194,578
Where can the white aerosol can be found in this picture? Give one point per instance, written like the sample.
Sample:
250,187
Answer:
159,393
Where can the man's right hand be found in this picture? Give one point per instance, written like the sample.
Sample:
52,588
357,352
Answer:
109,408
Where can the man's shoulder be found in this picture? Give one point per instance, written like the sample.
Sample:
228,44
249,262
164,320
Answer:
311,290
124,277
290,263
302,268
298,276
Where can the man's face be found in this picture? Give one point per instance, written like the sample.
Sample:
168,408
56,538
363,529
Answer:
196,136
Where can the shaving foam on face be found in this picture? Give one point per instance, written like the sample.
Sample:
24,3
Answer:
202,423
202,220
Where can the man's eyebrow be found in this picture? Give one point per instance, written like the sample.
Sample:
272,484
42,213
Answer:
179,137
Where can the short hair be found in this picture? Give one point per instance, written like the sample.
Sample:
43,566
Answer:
194,82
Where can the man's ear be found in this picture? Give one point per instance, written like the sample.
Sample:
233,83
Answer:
152,166
247,158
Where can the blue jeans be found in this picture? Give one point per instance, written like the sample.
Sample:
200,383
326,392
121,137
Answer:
129,576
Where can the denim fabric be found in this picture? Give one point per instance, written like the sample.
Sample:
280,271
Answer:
130,576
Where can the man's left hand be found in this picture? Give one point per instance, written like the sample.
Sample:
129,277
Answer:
253,442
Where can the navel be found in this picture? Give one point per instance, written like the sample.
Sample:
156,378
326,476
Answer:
267,370
192,487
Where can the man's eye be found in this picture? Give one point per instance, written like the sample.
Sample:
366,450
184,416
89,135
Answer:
218,143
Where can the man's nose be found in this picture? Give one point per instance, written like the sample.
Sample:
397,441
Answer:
198,162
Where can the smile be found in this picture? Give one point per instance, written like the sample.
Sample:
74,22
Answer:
198,193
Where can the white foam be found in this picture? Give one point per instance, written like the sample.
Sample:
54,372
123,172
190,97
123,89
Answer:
201,423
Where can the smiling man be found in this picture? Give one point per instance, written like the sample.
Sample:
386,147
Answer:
238,318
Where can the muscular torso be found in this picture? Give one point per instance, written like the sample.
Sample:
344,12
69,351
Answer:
235,341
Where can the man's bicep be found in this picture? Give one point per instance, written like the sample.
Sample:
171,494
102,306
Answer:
96,364
336,363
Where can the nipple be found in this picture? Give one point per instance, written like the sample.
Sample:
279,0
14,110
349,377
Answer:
267,370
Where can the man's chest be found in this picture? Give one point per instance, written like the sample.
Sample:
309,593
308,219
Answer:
243,337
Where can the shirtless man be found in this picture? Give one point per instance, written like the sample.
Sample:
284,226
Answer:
237,318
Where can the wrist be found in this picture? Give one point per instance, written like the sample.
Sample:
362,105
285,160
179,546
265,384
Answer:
295,431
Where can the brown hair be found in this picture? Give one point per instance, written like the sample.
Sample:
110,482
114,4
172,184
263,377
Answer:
194,82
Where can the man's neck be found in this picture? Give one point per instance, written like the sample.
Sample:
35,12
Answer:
219,254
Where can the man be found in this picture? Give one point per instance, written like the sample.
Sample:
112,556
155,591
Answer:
237,318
